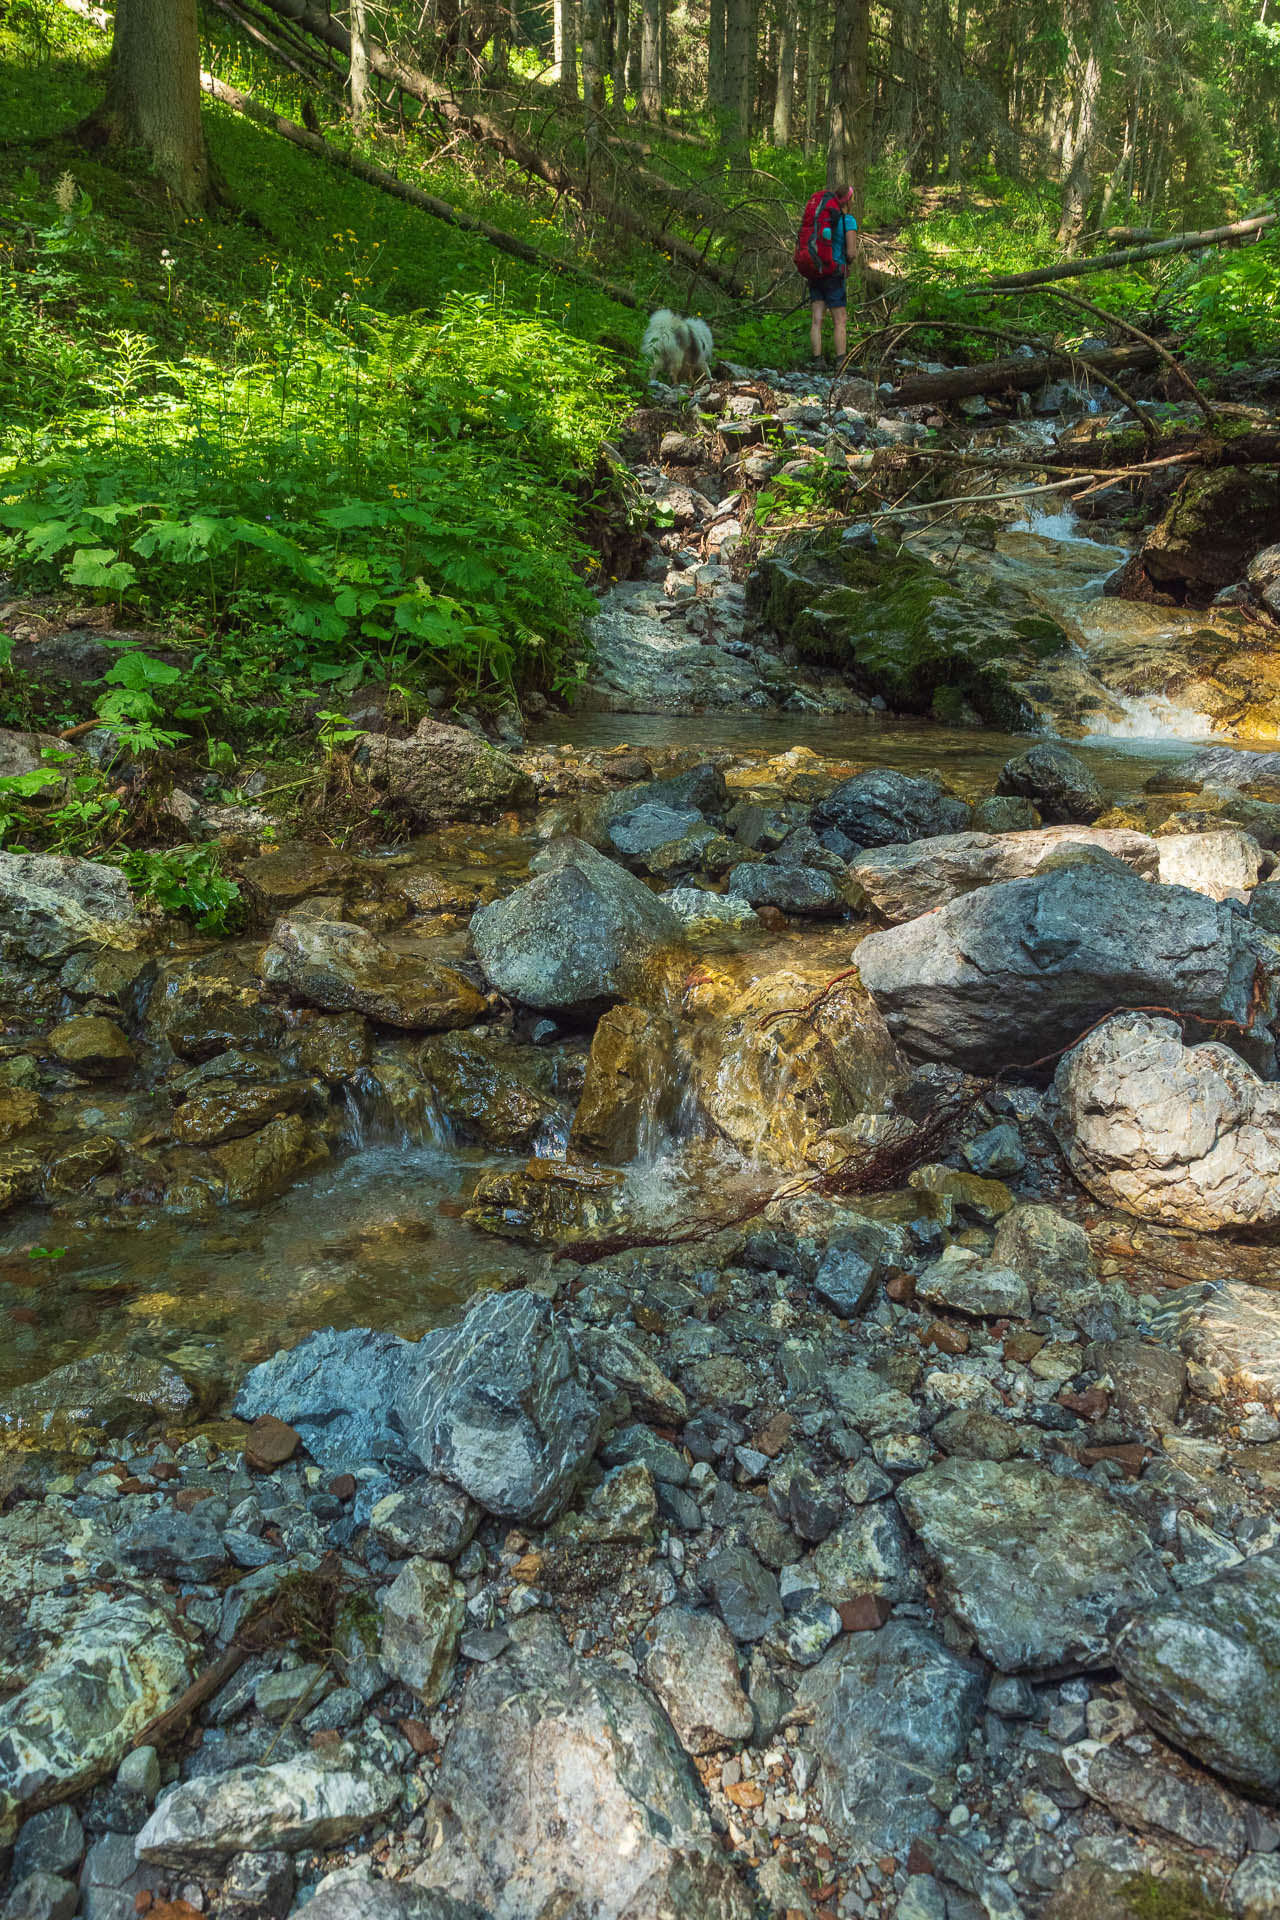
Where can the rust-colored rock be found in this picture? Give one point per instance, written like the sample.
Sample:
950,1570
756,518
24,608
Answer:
270,1443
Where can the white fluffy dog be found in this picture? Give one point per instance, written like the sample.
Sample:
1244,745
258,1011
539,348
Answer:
680,349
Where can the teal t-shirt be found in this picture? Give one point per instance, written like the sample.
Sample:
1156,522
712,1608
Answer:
836,228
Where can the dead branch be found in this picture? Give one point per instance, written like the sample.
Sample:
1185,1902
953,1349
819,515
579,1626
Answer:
1128,256
1018,373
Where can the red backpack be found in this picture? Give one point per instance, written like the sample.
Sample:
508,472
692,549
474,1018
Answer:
806,253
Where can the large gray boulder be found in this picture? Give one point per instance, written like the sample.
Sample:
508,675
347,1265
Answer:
883,807
563,1788
303,1803
1003,976
444,773
1186,1135
1057,780
51,905
1224,863
905,881
892,1713
1221,766
492,1405
358,1896
1036,1564
1203,1667
345,968
113,1673
574,938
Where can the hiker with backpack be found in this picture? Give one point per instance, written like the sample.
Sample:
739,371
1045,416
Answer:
823,252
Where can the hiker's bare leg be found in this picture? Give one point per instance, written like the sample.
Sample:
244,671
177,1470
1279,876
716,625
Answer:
839,326
815,328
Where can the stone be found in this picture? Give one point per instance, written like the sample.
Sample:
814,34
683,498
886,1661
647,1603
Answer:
344,968
1224,864
1003,976
41,1896
651,826
258,1886
292,1806
744,1592
203,1006
576,937
867,1554
892,1713
792,888
1057,780
902,882
492,1404
429,1518
971,1433
962,1282
1203,1668
221,1110
283,876
51,905
1189,1136
176,1545
92,1045
883,807
359,1897
1209,532
108,1677
996,1154
634,1837
114,1393
625,1364
987,1200
260,1165
1237,1331
629,1092
443,773
422,1614
849,1275
1005,813
49,1842
269,1443
701,913
1035,1564
1147,1794
624,1507
1254,1892
691,1664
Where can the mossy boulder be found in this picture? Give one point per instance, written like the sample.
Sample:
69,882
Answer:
1214,525
900,629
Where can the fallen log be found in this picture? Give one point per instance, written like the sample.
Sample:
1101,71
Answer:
1019,373
1129,256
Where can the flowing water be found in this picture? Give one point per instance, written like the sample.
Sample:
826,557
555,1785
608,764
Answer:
376,1237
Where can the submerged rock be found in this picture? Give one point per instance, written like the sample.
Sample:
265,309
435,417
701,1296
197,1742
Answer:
1186,1135
492,1405
574,938
343,968
1203,1667
562,1781
1036,1565
892,1714
118,1668
297,1804
444,773
1007,974
117,1393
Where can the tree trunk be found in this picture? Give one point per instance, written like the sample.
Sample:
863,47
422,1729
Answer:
738,70
500,56
1018,373
717,89
153,96
621,46
813,66
786,75
592,76
1075,199
846,120
358,69
651,60
565,52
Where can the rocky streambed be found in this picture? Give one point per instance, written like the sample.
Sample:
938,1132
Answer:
701,1336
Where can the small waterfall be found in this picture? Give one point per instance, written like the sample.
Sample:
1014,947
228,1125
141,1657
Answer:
1153,717
392,1110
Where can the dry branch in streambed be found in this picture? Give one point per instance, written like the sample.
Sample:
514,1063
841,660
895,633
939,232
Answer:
1019,373
1128,256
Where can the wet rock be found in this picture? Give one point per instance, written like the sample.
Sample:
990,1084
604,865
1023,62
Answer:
1057,780
1145,1794
41,1896
1189,1136
744,1592
278,879
883,807
966,1284
490,1090
1224,864
701,913
1007,974
220,1110
639,1840
659,838
1210,532
291,1806
92,1045
903,882
115,1393
119,1667
691,1665
444,773
549,1202
574,938
492,1405
258,1886
51,905
265,1163
422,1614
986,1200
343,968
1203,1667
1036,1565
629,1091
429,1518
892,1713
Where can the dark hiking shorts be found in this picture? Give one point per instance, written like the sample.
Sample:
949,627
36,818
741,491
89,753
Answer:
830,289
